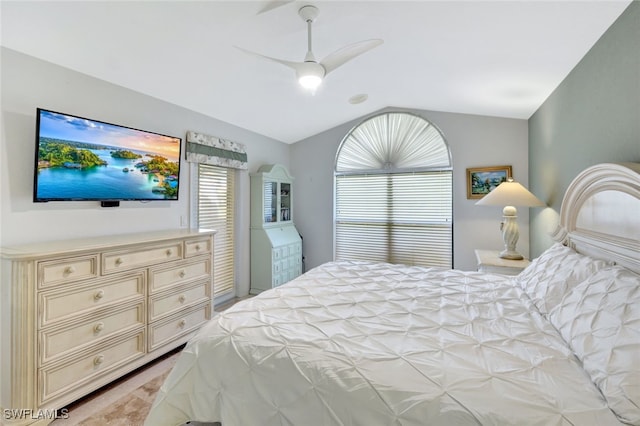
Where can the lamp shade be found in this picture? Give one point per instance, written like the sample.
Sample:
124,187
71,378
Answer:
510,193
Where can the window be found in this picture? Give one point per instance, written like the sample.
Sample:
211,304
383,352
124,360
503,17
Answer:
394,193
216,210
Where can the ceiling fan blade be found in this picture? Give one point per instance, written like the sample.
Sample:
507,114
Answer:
273,4
291,64
347,53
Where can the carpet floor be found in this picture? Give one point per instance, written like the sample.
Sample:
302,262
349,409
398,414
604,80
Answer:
131,409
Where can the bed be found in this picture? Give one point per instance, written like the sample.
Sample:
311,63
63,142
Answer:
361,343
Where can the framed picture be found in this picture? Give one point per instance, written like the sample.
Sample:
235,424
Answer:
481,180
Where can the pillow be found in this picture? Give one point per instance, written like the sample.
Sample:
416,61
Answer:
551,275
600,320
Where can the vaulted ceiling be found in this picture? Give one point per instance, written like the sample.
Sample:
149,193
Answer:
498,58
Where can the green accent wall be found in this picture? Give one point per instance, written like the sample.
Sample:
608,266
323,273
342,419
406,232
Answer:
592,117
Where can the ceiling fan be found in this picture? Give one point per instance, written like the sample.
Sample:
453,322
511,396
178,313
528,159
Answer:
310,72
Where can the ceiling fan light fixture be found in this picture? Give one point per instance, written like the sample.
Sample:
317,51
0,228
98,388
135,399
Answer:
310,82
310,75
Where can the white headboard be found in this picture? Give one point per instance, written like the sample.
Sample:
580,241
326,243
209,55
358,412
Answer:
600,214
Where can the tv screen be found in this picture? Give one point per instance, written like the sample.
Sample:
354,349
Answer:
83,159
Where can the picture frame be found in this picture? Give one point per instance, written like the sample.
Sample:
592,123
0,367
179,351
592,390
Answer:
481,180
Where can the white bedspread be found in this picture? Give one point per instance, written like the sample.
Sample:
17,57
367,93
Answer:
356,343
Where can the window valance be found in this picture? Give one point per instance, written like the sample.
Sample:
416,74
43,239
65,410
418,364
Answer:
206,149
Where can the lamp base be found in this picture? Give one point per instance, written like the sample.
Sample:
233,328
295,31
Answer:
511,254
510,234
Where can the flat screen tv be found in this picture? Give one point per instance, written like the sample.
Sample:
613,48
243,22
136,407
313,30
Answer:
81,159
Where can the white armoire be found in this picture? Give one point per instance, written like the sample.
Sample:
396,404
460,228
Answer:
276,245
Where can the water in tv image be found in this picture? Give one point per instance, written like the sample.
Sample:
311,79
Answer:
80,159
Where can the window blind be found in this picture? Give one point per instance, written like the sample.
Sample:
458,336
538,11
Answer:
395,217
216,211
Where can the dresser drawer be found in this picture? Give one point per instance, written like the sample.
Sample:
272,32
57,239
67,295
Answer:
296,249
167,303
177,326
71,269
65,377
65,303
277,280
161,278
197,247
276,254
88,330
129,259
293,273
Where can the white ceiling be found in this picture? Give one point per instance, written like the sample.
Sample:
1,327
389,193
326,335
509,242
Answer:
498,58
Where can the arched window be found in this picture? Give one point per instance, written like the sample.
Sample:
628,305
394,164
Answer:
393,194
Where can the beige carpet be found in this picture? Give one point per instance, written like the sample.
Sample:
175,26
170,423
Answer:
131,409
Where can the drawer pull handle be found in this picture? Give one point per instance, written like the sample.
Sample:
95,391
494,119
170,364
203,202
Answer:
182,298
197,247
99,295
118,261
182,273
98,360
169,252
69,270
182,323
98,327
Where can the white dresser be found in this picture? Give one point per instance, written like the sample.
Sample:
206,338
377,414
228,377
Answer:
276,246
77,314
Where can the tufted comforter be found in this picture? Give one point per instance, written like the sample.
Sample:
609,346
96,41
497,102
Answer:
358,343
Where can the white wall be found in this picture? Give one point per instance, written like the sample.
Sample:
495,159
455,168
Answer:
474,141
28,83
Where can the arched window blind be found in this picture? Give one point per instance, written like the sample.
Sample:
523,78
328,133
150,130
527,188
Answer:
394,193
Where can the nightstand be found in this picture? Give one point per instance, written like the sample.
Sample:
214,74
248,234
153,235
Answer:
490,261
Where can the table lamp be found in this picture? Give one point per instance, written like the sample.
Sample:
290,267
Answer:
510,194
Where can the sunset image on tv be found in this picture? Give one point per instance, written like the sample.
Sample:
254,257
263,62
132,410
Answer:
82,159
